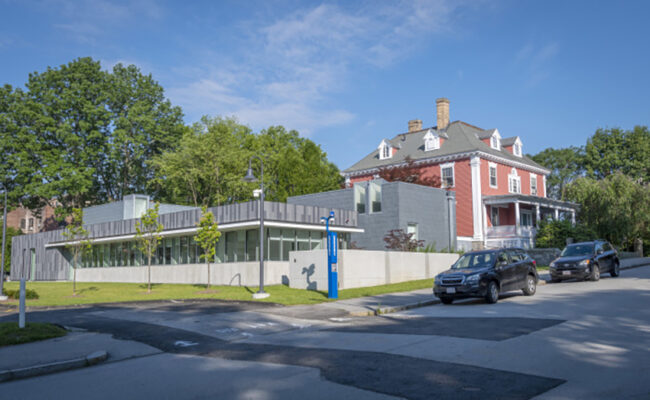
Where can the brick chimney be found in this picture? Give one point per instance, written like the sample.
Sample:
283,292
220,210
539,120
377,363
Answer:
415,125
442,107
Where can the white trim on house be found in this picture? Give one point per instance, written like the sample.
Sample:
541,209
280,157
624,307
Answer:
385,150
533,177
477,199
431,141
514,182
453,175
453,157
496,174
517,147
224,227
495,140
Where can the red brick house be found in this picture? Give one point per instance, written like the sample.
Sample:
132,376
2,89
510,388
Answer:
500,193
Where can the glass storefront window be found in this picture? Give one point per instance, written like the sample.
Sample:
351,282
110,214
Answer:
252,244
288,243
184,250
302,239
274,244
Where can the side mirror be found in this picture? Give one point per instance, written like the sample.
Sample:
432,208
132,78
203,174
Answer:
600,251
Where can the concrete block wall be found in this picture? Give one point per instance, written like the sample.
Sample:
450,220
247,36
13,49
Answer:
363,268
231,274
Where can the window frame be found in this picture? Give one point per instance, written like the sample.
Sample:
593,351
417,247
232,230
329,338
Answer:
533,177
442,175
514,177
496,175
495,142
385,150
494,211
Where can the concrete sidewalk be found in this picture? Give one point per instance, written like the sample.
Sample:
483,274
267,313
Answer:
384,303
75,350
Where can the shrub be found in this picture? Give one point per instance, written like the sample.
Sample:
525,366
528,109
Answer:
15,294
555,233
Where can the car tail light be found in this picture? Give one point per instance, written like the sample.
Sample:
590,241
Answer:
534,263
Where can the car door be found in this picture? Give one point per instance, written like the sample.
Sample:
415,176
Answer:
609,252
504,270
523,264
601,258
518,267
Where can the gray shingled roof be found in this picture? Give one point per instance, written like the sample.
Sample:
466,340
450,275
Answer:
509,141
461,138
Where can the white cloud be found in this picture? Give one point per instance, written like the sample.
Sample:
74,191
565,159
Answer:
289,67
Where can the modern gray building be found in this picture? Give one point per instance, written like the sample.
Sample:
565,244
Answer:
115,258
429,213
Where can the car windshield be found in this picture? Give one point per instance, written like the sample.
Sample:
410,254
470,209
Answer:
474,260
578,250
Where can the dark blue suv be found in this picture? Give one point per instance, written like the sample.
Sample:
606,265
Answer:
585,260
487,273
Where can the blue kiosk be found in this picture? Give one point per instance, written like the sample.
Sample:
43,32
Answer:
332,257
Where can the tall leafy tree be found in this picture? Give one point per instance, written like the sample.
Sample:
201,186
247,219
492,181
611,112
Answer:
409,173
208,166
565,164
79,244
616,208
147,234
614,150
83,135
207,237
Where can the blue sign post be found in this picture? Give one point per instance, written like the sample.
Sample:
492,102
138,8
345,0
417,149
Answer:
332,259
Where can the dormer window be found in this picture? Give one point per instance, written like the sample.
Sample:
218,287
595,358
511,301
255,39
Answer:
385,150
516,149
431,141
495,142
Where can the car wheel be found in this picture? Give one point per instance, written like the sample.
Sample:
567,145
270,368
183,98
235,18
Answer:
595,273
616,271
492,294
446,300
531,286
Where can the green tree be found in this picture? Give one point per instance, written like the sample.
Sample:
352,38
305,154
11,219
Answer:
11,233
565,164
552,233
207,237
616,208
79,244
83,135
397,239
147,234
208,166
614,150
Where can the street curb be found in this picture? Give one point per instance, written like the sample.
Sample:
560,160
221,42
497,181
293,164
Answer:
44,369
388,310
635,266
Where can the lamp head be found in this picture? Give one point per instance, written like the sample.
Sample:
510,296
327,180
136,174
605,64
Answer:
250,177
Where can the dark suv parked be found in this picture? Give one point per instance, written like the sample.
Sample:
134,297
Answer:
585,260
486,274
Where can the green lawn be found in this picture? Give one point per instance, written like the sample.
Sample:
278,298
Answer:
10,333
60,293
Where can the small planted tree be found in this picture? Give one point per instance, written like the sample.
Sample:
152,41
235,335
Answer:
148,237
207,237
78,245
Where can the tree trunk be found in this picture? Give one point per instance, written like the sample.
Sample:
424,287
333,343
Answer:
149,271
208,274
74,275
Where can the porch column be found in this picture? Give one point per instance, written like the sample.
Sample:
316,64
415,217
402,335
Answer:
538,215
573,217
517,218
485,229
477,198
557,214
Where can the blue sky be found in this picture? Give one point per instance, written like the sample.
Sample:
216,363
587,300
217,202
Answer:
347,74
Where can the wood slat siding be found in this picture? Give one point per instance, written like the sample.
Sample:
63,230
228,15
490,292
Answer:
51,265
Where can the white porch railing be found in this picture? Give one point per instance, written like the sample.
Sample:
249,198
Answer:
510,231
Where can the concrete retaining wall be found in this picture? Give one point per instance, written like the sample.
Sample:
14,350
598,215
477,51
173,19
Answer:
362,268
234,274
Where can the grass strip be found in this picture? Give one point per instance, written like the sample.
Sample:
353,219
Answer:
11,334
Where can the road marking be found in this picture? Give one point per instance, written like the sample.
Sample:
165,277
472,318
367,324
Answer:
184,343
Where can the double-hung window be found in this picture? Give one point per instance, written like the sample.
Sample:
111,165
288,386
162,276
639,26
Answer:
493,175
447,174
533,184
514,182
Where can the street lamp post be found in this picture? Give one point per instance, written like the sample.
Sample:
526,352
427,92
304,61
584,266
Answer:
250,177
4,235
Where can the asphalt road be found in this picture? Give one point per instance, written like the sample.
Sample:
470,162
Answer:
571,340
